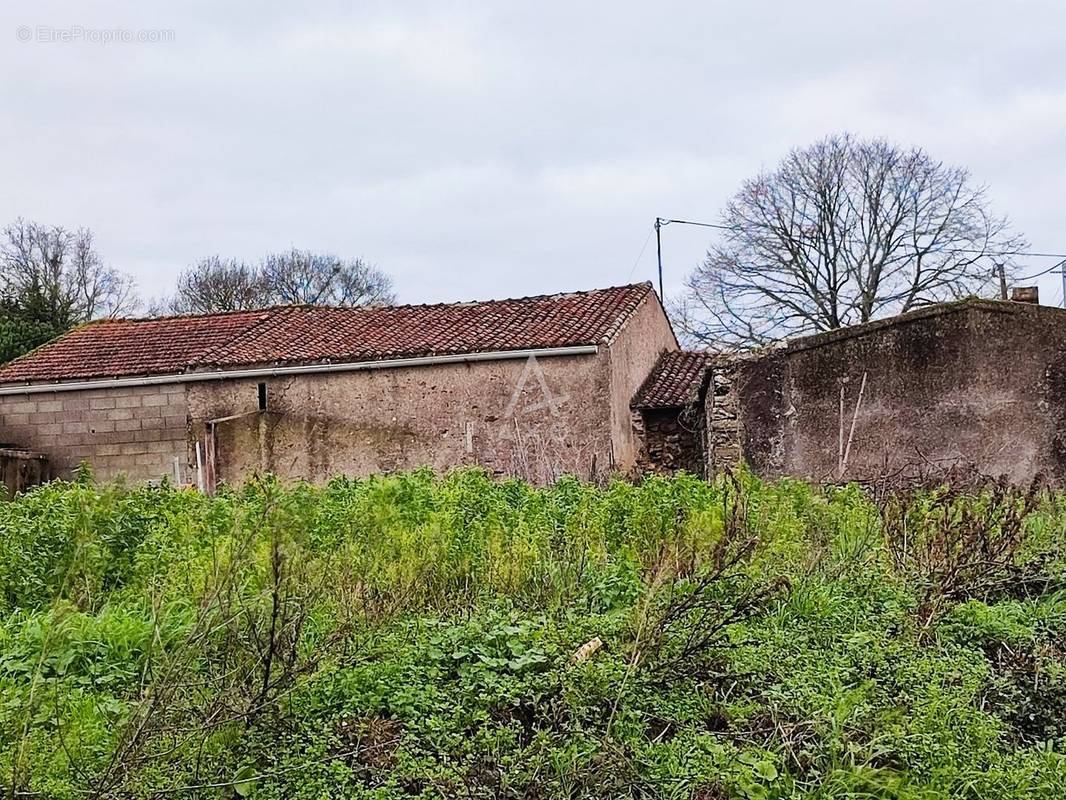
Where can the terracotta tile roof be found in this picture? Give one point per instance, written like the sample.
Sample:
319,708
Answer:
675,382
316,334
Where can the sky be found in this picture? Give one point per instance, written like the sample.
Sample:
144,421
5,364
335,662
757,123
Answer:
498,149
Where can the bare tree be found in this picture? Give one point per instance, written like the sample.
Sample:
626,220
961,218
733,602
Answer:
300,276
293,277
56,276
840,233
215,284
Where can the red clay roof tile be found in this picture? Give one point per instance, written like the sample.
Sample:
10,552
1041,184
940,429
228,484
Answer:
316,334
675,382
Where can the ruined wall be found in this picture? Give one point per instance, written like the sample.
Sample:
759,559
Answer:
537,418
672,440
133,431
721,425
22,469
981,384
632,356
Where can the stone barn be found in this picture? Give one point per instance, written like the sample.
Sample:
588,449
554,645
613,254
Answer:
532,387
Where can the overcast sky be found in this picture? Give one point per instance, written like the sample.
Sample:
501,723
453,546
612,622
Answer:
499,149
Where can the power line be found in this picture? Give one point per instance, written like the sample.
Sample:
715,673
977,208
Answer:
689,222
662,221
642,249
1027,253
1052,268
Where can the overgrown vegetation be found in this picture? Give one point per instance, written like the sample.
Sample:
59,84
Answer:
414,635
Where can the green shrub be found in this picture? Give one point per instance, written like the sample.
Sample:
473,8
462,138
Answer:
420,635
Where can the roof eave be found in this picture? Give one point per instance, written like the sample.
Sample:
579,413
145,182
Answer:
282,370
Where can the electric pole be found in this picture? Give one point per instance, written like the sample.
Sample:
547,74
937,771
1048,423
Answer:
659,251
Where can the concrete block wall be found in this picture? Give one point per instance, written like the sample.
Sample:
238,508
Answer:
132,431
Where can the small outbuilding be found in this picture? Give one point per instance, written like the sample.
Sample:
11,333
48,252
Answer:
668,414
533,387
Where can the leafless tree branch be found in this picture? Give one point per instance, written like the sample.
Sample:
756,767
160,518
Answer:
57,276
841,232
292,277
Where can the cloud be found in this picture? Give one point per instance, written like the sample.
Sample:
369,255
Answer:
482,150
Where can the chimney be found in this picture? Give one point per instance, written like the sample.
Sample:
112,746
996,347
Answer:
1026,294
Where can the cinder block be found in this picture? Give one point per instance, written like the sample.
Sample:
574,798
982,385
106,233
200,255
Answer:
176,413
127,425
101,403
75,415
131,448
75,427
127,401
20,407
50,428
75,401
16,419
46,406
161,412
108,449
159,399
102,426
120,413
47,443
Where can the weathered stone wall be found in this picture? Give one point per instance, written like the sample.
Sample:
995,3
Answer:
672,440
134,431
536,418
980,384
721,424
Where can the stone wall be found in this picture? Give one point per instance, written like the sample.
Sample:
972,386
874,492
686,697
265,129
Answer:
535,418
978,384
672,440
721,416
134,431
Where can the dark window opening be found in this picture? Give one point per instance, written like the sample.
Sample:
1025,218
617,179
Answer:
262,397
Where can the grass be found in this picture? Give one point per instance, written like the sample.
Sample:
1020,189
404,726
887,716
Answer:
417,635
